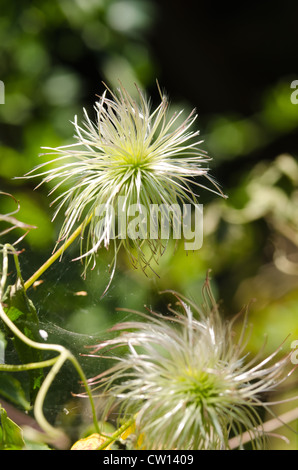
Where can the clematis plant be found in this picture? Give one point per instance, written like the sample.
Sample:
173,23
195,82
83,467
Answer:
131,157
184,383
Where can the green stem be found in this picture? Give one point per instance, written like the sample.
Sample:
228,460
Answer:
38,405
64,354
54,256
116,434
29,366
57,363
87,388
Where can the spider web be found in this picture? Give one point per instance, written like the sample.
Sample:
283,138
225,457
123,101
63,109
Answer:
71,313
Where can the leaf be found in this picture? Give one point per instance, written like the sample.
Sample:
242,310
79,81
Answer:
17,300
11,435
11,389
30,445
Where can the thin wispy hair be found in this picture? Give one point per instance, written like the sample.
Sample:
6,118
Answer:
142,155
185,378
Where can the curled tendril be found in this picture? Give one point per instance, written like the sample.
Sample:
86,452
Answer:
55,363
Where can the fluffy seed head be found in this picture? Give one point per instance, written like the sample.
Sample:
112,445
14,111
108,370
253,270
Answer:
130,152
186,380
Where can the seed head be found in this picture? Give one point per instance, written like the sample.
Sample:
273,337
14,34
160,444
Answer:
186,380
132,154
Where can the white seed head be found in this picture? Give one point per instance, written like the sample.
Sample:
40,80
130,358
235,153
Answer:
186,381
132,154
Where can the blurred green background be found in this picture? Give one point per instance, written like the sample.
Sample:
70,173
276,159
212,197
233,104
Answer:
235,64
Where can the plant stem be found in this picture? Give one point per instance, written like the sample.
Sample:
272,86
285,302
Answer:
29,366
116,434
64,354
57,363
267,427
53,258
56,254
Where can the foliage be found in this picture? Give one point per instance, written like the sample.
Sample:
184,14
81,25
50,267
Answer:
53,58
11,436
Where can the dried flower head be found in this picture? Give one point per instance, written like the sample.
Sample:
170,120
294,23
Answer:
130,154
186,380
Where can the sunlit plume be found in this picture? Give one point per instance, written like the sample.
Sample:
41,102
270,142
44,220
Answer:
143,157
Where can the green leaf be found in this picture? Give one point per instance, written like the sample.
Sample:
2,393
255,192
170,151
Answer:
30,445
11,389
18,304
11,435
